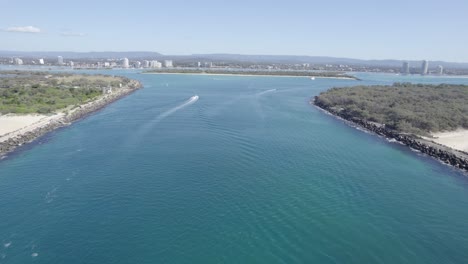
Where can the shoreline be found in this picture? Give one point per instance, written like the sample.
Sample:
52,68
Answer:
253,75
445,154
10,141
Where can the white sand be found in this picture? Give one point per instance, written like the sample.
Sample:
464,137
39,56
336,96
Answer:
13,125
457,139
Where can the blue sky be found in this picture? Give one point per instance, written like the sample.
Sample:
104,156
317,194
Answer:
398,29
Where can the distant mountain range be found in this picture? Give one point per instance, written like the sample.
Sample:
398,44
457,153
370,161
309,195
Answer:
81,55
218,58
322,60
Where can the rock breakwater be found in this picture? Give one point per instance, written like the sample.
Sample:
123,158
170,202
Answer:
445,154
10,143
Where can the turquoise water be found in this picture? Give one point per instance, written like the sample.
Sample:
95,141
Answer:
248,173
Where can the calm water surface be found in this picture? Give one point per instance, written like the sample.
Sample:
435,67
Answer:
248,172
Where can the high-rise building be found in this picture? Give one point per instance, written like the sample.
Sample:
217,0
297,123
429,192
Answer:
41,61
146,64
60,60
405,68
168,64
198,64
137,64
155,64
125,63
440,69
72,64
424,67
18,61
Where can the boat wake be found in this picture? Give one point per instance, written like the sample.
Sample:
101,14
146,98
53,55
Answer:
171,111
265,92
140,133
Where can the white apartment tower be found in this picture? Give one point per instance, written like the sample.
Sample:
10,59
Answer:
168,64
440,69
18,61
155,64
125,63
424,67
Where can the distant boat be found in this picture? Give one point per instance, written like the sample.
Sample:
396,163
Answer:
312,78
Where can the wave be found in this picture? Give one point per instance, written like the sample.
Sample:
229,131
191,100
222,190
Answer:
415,150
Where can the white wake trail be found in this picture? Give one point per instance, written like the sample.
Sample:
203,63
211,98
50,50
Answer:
140,133
264,92
171,111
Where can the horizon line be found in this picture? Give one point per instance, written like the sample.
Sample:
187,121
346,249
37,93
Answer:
239,54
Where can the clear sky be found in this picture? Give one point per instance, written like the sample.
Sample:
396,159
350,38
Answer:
365,29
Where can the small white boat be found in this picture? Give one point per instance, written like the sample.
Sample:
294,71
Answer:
312,78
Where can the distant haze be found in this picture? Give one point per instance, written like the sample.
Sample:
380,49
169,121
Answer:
365,29
264,59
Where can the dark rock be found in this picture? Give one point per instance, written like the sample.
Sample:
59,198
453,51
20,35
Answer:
440,153
83,111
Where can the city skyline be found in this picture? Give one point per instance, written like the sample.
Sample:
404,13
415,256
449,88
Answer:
362,29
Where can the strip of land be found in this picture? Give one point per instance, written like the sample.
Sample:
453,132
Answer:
33,104
430,118
309,74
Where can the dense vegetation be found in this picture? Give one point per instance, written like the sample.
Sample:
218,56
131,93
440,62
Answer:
256,72
39,92
43,100
410,108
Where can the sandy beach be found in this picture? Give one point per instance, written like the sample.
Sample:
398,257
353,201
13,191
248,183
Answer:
12,125
457,139
16,129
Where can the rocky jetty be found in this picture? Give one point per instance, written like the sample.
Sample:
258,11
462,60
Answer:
445,154
84,110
